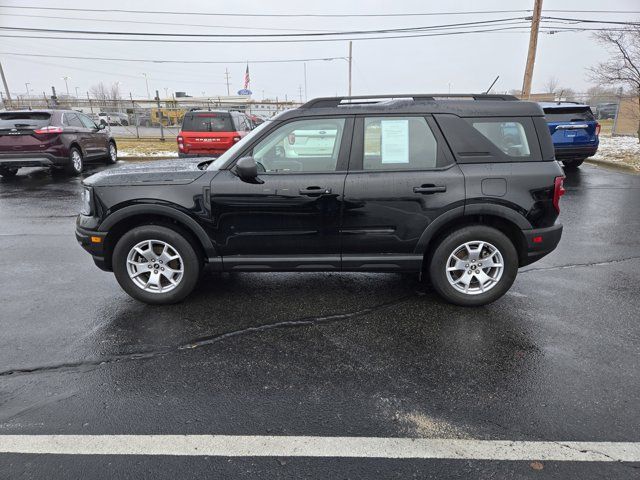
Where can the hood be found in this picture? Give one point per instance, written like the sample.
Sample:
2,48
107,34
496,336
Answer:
161,172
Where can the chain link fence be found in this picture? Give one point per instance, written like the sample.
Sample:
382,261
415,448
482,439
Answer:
149,118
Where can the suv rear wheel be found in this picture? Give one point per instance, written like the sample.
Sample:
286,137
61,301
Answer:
473,266
156,264
572,164
76,163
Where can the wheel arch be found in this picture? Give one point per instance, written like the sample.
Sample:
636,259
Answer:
454,220
123,220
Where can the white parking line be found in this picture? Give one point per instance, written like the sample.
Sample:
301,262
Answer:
304,446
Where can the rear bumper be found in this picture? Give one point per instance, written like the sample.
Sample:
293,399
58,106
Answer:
566,153
88,240
39,159
540,242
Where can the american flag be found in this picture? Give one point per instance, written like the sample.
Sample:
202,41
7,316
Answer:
247,79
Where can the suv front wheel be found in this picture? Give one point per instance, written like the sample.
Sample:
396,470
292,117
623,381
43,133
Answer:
156,264
473,266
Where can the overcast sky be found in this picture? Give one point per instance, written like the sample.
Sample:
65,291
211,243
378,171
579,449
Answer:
464,63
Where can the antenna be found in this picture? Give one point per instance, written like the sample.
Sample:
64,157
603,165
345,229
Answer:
491,86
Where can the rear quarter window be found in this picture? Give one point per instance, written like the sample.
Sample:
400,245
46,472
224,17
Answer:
24,119
509,136
568,115
207,122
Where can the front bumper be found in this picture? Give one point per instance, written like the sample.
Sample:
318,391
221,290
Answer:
37,159
93,242
540,242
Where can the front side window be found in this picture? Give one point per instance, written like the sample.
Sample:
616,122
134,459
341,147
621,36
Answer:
87,122
398,143
509,136
72,120
301,146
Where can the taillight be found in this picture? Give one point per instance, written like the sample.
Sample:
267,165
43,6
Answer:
49,130
597,129
236,139
558,191
180,143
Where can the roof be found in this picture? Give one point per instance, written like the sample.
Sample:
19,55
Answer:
463,105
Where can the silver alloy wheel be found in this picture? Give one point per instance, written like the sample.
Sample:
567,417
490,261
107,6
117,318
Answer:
113,153
475,267
155,266
76,159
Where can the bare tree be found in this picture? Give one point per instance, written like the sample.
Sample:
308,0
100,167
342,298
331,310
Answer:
551,85
623,66
105,94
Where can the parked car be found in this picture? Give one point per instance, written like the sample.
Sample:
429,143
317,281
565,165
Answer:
59,139
574,131
606,110
211,133
463,190
113,118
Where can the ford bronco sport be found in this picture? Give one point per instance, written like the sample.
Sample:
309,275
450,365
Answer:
463,189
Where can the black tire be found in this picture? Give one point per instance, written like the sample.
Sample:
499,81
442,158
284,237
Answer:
572,164
451,243
111,158
8,172
74,167
191,264
125,123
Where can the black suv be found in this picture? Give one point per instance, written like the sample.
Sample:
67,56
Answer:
461,188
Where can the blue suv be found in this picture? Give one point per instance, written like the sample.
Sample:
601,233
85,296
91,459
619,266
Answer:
574,131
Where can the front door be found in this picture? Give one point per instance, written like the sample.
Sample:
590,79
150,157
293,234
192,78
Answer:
290,218
401,178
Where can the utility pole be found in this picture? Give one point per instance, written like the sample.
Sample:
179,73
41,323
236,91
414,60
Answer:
160,116
350,62
533,44
226,76
305,82
6,87
77,92
28,98
66,83
146,81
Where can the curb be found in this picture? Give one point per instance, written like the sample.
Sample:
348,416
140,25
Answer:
621,167
144,159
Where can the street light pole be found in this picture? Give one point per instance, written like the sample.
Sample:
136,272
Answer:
77,92
28,98
350,62
146,81
66,83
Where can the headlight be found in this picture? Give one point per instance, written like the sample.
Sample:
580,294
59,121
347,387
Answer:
85,208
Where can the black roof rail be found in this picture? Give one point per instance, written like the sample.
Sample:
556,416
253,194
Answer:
328,102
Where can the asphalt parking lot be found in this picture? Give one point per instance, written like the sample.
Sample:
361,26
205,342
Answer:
320,354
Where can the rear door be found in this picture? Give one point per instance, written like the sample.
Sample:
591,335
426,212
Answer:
208,132
571,126
290,218
401,178
17,131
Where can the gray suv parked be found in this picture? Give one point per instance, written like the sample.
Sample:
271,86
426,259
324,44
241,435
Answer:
463,189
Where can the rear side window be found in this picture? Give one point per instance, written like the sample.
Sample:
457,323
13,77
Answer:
509,136
398,143
207,122
569,115
72,120
24,119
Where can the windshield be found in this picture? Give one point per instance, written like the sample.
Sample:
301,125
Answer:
24,119
222,159
568,115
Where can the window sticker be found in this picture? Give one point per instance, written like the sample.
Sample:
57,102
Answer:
395,141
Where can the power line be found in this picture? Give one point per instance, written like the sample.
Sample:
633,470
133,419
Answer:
265,35
146,60
329,15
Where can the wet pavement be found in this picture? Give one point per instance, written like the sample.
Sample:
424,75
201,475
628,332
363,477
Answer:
375,355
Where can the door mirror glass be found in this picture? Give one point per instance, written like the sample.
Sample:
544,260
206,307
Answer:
101,126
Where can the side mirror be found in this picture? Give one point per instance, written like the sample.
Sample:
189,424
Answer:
247,169
101,126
